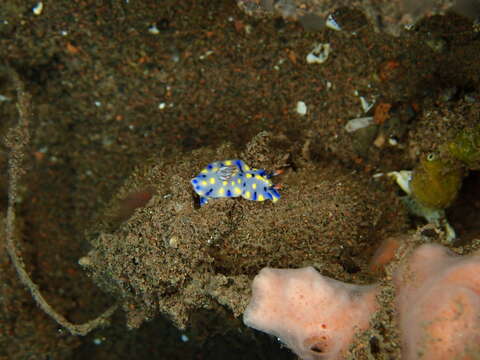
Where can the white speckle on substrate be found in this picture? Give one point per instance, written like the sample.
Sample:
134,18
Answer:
366,106
358,123
38,9
392,141
153,30
301,108
319,54
206,54
332,24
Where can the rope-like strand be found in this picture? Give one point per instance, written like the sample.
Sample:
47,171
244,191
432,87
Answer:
17,139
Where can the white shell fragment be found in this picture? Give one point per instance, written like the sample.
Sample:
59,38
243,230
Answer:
358,123
392,141
366,106
332,23
153,30
301,108
319,54
206,54
38,9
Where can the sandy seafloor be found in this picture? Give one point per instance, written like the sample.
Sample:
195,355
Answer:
115,83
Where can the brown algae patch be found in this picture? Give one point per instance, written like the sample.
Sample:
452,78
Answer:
173,257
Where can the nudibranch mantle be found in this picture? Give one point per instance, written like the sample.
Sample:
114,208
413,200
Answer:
233,178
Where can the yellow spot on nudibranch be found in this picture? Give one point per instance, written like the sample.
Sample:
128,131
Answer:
204,171
204,183
247,195
246,167
225,183
239,181
254,186
233,183
248,176
237,191
221,191
260,198
212,180
228,163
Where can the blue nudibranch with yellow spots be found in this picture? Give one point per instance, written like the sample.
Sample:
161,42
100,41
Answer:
233,178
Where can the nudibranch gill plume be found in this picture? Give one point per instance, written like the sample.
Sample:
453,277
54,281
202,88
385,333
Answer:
233,178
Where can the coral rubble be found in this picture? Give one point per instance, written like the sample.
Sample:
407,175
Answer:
385,15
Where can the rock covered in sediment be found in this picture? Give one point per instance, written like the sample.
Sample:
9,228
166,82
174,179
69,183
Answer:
165,254
386,15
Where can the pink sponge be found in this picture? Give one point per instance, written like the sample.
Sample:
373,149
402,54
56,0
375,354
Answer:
315,316
439,305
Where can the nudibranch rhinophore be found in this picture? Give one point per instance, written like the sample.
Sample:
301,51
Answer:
233,178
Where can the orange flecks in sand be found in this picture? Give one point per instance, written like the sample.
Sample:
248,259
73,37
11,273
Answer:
39,156
358,161
144,59
239,26
292,56
389,70
416,107
382,113
72,49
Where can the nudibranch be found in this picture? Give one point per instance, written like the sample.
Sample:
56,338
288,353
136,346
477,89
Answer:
233,178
